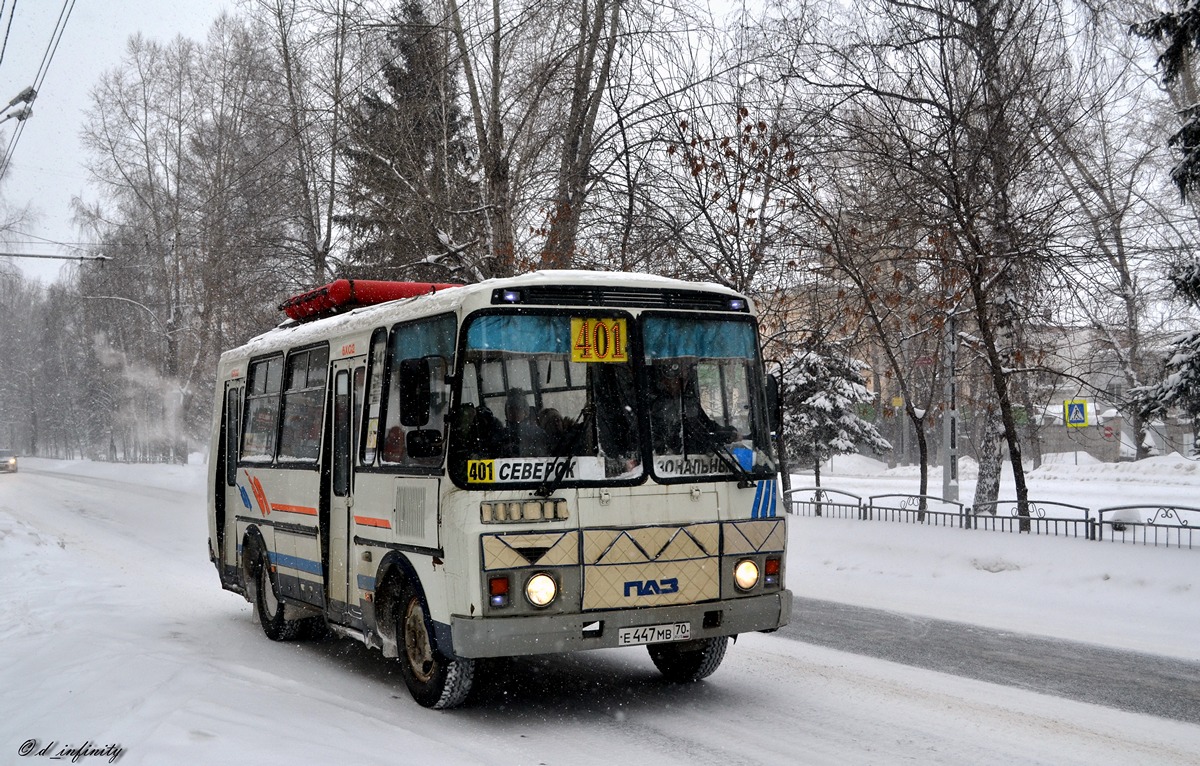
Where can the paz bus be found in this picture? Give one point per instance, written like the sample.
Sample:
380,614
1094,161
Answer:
548,463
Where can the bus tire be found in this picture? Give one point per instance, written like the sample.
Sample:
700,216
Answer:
434,680
269,606
689,661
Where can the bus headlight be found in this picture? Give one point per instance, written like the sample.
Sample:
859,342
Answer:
541,589
745,574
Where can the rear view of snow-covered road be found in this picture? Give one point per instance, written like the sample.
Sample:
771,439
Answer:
115,631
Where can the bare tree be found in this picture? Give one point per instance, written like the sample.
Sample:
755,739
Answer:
1124,231
953,101
192,169
310,41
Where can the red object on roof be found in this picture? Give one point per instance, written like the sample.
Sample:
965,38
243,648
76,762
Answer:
346,294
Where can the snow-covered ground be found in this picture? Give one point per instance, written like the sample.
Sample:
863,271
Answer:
114,631
1122,595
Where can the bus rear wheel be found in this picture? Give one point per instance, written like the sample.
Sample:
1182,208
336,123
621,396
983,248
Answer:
434,680
689,661
270,607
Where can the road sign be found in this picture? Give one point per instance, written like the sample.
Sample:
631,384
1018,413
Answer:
1108,433
1075,413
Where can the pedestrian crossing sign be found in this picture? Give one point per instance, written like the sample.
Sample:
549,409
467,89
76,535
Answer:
1075,413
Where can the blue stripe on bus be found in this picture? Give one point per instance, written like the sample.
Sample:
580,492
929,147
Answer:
774,498
297,563
366,582
758,492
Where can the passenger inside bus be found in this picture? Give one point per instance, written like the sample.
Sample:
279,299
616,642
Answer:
393,445
678,422
477,433
552,424
525,438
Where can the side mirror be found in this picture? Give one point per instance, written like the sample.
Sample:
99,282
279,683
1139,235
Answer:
424,444
414,392
774,404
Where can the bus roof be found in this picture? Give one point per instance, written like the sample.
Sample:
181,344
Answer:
292,333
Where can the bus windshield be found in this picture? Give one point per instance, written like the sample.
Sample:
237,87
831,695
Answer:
564,399
704,394
535,408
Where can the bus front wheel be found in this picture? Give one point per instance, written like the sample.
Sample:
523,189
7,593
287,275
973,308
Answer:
689,661
434,680
270,607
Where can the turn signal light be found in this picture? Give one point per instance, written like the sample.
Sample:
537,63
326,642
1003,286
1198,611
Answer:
498,590
771,569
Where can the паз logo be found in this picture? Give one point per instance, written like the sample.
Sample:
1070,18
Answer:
652,587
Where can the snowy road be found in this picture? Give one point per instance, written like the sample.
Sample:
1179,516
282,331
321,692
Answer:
1163,686
115,631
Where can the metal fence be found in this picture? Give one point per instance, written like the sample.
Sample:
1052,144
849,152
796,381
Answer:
919,509
1168,525
1044,518
1158,525
819,501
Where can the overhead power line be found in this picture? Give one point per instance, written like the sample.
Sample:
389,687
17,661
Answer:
51,48
12,12
58,257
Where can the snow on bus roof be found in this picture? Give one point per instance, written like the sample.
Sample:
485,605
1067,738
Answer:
292,333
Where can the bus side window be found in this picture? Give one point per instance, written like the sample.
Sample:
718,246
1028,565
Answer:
303,400
262,409
373,401
233,433
421,356
342,406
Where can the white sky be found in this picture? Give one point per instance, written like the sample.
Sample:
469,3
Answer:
46,169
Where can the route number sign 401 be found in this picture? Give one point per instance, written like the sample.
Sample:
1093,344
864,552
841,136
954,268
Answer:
598,340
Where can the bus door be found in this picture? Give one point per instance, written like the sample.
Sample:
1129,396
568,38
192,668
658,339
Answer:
228,497
348,376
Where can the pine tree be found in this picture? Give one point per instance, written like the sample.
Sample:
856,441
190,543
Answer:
1180,383
821,391
1180,31
408,162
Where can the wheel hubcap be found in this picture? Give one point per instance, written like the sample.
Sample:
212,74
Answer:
269,601
416,642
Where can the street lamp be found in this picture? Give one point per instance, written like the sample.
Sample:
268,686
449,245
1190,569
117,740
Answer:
21,114
27,96
24,97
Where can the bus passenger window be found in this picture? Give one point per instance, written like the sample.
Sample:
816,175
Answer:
422,353
262,409
374,398
300,438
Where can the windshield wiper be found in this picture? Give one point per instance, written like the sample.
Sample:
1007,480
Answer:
564,449
725,455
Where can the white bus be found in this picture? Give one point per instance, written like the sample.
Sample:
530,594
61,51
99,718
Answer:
548,463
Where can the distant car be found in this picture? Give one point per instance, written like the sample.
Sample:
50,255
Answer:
8,461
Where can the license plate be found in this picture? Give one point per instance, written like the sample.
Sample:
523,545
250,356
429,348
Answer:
654,634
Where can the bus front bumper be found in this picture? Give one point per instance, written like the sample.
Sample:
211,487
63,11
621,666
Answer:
552,633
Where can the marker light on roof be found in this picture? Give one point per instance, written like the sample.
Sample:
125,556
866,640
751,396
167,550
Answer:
737,304
511,296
